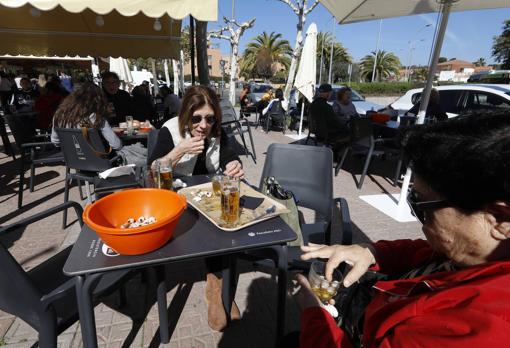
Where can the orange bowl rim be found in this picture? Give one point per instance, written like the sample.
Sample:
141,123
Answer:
136,230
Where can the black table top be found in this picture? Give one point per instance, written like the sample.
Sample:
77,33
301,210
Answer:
133,136
194,237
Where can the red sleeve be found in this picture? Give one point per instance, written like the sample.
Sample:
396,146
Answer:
448,328
319,330
399,256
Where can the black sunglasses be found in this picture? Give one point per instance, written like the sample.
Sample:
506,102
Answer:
419,208
210,119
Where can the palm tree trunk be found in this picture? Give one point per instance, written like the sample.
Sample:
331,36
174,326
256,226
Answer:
295,55
203,68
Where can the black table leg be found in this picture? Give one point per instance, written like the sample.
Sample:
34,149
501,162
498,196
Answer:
282,291
162,305
84,287
229,283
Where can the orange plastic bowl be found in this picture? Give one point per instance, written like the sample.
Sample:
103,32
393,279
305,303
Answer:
380,118
107,215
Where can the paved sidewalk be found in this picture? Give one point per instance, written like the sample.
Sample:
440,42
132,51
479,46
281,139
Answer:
256,291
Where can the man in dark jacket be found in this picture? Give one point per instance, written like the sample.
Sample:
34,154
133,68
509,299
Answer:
329,128
118,99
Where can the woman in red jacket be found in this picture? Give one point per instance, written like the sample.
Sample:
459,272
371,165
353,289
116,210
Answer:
453,289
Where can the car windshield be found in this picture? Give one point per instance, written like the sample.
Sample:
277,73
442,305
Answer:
260,88
355,96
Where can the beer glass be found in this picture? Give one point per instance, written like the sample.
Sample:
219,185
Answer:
129,124
165,177
216,184
325,290
230,194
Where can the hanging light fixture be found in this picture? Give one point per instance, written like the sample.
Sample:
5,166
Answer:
35,12
99,21
157,25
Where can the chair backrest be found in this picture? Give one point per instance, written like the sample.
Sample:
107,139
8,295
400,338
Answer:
16,285
361,129
307,171
79,152
152,139
22,128
277,111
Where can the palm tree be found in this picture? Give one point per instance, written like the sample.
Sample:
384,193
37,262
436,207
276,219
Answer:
340,54
387,64
480,62
265,54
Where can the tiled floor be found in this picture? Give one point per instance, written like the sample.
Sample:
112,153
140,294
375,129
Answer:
256,291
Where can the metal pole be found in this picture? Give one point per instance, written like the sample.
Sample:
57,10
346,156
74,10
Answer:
445,14
377,50
349,69
233,8
192,47
322,55
155,76
167,75
331,53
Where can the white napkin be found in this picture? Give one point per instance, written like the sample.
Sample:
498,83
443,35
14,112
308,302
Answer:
117,171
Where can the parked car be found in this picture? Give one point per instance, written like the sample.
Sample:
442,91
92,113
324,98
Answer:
257,91
456,99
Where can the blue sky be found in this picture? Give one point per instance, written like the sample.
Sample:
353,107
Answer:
469,34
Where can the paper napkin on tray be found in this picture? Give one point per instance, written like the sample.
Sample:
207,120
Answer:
117,171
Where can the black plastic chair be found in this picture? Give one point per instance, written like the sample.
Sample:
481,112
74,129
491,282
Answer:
44,297
307,172
276,117
33,150
363,142
5,138
232,125
81,155
152,139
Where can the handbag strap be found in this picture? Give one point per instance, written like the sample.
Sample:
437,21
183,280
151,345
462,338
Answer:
85,133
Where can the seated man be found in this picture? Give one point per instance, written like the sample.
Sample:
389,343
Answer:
119,100
329,127
25,97
450,290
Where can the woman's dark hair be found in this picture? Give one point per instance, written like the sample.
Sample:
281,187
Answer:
465,159
76,108
138,90
195,98
341,92
278,94
109,74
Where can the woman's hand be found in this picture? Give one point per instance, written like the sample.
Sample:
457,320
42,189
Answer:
194,146
305,296
359,256
235,169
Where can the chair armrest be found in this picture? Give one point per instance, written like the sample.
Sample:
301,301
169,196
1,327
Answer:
114,159
43,143
57,293
383,140
345,222
44,214
44,136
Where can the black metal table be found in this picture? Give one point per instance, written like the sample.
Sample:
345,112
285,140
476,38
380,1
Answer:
128,139
194,238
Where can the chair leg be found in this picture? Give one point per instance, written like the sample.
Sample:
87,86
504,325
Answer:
282,292
267,123
365,167
240,130
48,329
397,171
253,155
21,182
87,190
66,199
32,176
341,163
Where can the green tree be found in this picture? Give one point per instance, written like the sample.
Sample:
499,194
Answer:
185,44
264,55
480,62
420,75
387,64
501,46
340,56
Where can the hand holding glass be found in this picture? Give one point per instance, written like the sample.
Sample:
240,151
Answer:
324,289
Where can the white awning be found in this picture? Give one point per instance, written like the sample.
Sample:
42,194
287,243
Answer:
203,10
350,11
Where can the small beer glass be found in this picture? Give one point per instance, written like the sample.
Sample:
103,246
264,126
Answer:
325,290
230,195
216,184
165,175
129,124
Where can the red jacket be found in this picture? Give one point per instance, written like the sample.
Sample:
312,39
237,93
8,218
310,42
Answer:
465,308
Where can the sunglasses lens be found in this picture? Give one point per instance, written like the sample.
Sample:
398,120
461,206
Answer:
210,119
197,119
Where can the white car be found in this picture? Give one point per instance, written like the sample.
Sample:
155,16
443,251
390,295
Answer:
457,99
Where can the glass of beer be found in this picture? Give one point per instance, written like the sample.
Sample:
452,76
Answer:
323,288
230,194
216,184
165,177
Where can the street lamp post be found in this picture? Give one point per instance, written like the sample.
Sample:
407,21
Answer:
411,48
